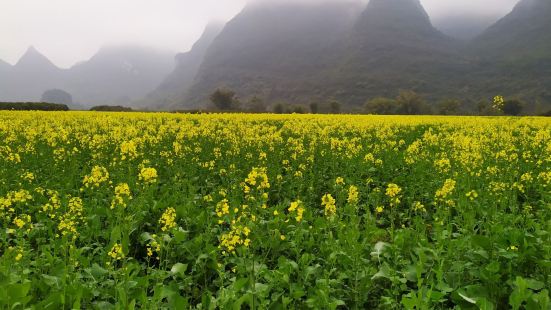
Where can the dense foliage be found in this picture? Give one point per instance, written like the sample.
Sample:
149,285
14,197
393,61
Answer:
151,211
33,106
110,108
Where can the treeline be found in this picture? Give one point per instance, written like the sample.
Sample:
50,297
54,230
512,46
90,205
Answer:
46,106
33,106
110,108
406,103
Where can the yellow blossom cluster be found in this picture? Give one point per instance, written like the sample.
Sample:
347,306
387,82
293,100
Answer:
257,178
168,219
116,252
154,247
69,221
98,176
122,196
296,209
148,175
353,195
328,202
237,236
393,193
445,191
128,150
23,222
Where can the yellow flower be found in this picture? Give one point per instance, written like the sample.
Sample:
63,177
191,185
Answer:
296,206
148,175
339,181
122,195
128,150
447,189
417,206
168,219
222,208
392,190
380,209
22,221
153,247
353,195
499,102
258,176
472,195
28,176
328,202
442,165
116,252
98,176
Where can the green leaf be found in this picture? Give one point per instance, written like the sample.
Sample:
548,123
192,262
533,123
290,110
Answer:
51,280
468,299
180,235
484,304
179,269
534,284
378,249
97,271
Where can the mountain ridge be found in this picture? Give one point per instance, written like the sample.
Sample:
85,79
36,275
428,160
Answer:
118,75
268,50
186,67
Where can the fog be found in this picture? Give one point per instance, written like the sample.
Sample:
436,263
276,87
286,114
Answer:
69,31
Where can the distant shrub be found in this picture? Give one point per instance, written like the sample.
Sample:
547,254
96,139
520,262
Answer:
109,108
513,107
411,103
449,107
335,107
381,106
224,99
278,108
33,106
255,105
314,108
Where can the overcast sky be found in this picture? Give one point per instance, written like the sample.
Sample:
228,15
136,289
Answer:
68,31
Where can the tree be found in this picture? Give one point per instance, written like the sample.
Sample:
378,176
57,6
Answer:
411,103
314,107
279,108
224,99
57,96
335,107
449,107
256,105
381,106
298,109
108,108
513,107
485,108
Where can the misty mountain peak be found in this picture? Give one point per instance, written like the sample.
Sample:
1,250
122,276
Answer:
396,15
198,49
33,59
523,32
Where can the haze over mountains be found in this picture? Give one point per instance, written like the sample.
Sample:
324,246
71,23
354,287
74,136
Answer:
115,75
302,52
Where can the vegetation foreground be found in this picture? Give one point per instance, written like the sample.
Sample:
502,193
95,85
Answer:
124,211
